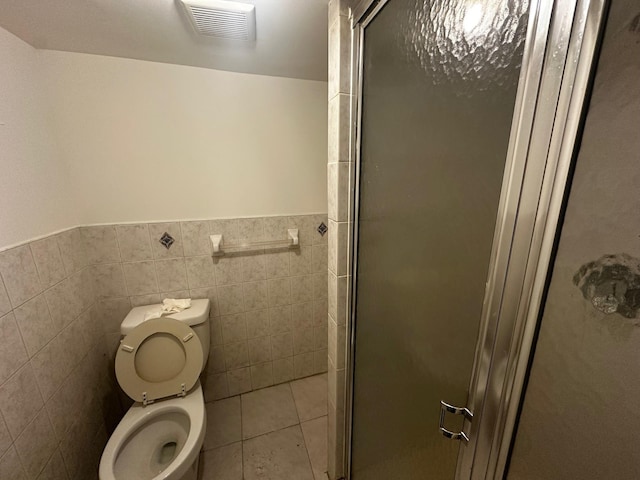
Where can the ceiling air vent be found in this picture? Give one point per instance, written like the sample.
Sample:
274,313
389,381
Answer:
222,18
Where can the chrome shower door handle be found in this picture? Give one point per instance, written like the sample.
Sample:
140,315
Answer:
444,408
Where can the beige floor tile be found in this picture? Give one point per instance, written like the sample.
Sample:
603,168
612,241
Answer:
267,410
278,455
224,424
310,395
315,438
223,463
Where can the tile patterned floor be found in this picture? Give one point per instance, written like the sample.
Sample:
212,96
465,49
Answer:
278,433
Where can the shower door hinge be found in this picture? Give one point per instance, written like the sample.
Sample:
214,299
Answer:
444,408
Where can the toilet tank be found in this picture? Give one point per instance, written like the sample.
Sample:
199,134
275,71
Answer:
197,317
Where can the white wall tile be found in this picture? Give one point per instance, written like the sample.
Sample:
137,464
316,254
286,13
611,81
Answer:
303,365
320,286
337,298
250,229
216,360
48,259
216,387
140,277
338,248
234,328
172,275
72,249
275,228
320,337
319,258
280,320
59,299
35,323
10,465
51,366
101,244
277,264
339,53
302,315
300,261
281,345
303,341
36,444
253,267
5,304
195,238
156,230
109,280
239,381
236,355
20,275
216,331
112,311
261,375
140,300
306,228
255,295
20,400
339,116
257,323
212,294
259,350
319,361
282,370
279,291
228,269
320,310
5,438
228,228
134,242
200,271
13,353
302,289
231,299
55,468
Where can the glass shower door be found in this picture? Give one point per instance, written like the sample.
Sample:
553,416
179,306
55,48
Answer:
438,90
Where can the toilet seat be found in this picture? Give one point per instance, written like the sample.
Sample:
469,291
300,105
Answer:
159,358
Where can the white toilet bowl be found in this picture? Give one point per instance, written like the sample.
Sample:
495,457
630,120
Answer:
160,441
158,364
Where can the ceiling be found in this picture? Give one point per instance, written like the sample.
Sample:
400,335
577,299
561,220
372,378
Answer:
291,34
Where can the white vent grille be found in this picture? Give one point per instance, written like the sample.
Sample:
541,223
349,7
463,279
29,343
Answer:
222,19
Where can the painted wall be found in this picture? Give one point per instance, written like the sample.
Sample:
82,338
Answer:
580,417
35,196
148,141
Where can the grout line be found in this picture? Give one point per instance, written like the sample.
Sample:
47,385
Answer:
146,222
306,448
241,437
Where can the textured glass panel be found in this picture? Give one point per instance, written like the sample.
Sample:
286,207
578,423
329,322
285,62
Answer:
438,96
580,417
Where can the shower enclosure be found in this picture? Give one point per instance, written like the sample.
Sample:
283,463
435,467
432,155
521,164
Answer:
465,120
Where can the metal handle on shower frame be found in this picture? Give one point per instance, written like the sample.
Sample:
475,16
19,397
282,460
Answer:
444,408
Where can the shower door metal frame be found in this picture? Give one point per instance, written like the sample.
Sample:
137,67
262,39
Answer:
557,68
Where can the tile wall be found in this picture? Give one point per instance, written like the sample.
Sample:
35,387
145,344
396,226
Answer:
57,402
340,190
269,309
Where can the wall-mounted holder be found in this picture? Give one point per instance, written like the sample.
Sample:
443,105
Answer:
219,247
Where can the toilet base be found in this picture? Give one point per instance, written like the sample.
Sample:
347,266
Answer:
192,473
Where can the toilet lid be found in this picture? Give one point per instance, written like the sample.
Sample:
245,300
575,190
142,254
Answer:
159,358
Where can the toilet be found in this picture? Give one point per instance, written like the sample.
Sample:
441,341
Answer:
158,365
